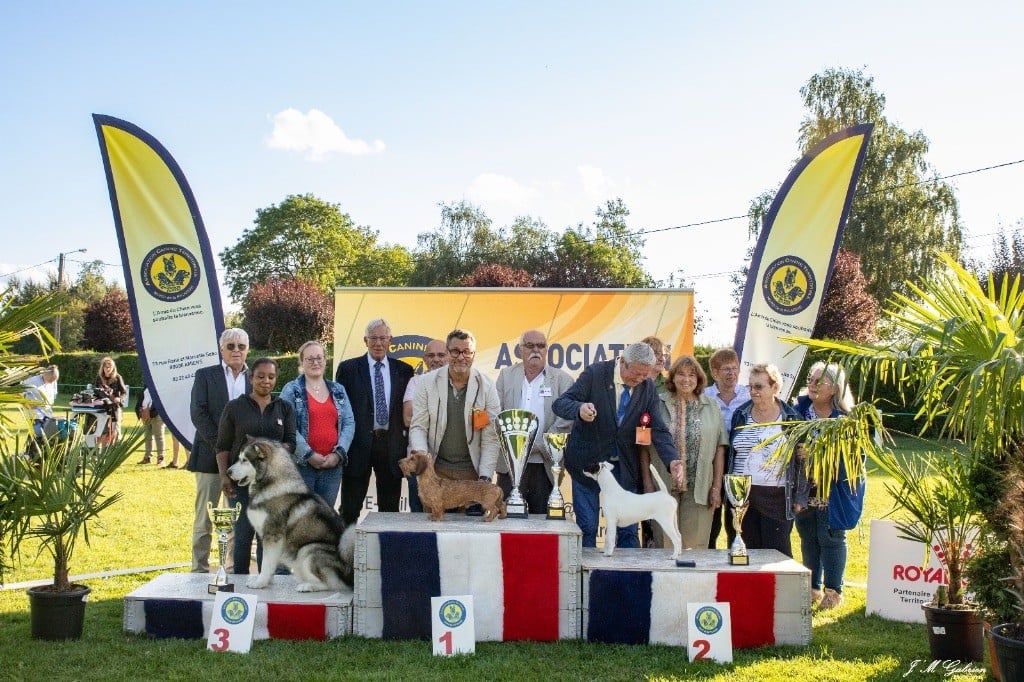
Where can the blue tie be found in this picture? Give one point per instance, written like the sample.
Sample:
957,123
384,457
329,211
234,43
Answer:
623,403
380,404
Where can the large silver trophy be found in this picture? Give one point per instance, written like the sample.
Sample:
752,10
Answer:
223,519
517,429
556,445
737,489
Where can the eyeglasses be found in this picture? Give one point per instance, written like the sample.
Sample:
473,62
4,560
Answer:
728,370
434,355
466,353
378,339
819,382
314,359
233,346
535,346
757,387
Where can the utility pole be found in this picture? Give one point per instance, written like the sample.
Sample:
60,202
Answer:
60,287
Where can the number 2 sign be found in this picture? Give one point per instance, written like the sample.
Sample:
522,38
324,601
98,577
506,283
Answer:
453,628
709,632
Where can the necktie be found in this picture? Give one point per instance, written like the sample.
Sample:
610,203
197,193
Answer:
380,404
623,403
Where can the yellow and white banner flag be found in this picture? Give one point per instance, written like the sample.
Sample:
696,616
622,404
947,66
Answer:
169,270
795,252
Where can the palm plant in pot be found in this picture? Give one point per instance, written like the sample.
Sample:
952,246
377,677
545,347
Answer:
51,500
954,350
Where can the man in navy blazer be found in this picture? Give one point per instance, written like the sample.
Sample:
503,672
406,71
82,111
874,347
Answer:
212,388
599,433
381,438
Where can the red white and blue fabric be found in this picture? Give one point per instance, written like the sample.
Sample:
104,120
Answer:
513,577
190,619
649,607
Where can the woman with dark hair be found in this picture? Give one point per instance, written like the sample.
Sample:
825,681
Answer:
700,439
261,415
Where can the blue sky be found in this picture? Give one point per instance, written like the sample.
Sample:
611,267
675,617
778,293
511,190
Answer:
685,110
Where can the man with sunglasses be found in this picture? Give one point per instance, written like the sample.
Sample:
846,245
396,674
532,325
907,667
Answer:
212,389
532,385
453,415
375,382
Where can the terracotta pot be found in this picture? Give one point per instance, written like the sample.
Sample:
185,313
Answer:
57,615
954,634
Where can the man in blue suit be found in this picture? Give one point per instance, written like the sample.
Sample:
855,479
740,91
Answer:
375,383
608,403
212,388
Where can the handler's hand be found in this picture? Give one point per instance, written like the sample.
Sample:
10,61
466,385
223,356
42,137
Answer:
227,486
678,474
588,412
715,497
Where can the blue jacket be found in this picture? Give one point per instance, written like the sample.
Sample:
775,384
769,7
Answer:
294,393
845,506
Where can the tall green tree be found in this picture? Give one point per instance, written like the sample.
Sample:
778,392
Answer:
464,240
313,240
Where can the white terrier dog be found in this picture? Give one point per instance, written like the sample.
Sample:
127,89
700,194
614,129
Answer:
623,508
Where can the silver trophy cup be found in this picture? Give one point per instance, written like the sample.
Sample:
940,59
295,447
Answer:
737,489
223,519
556,445
517,430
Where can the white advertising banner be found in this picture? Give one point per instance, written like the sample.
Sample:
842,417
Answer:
899,580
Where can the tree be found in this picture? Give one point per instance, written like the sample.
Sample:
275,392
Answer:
495,275
311,239
901,213
1007,258
107,324
463,241
283,313
848,312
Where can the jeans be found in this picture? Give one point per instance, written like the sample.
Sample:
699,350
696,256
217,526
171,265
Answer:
244,535
324,482
585,505
823,548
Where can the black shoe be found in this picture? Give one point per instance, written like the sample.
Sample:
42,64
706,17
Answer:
474,510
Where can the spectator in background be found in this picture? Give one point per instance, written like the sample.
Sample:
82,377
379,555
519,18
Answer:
152,427
661,361
323,421
42,389
212,388
435,356
111,381
728,394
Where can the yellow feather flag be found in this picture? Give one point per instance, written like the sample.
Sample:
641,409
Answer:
795,252
169,270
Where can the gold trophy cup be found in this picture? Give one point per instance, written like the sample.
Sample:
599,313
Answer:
223,519
517,429
556,445
737,489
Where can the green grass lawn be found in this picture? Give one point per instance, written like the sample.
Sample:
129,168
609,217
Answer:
151,527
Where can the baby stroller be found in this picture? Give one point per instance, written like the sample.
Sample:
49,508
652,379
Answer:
49,430
97,409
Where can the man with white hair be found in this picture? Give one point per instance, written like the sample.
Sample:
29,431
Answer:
610,403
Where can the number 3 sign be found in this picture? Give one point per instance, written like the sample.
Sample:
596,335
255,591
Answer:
709,632
453,629
234,615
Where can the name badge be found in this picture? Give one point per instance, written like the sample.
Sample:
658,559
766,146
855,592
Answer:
545,391
643,435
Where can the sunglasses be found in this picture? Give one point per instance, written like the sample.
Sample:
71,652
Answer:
234,346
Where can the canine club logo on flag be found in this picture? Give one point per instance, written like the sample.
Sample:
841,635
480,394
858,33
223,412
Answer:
513,577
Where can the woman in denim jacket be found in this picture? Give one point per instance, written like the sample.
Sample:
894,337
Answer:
324,423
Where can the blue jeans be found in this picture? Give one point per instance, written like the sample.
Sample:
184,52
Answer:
823,548
244,535
324,482
585,504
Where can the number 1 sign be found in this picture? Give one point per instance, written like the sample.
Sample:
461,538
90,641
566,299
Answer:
453,628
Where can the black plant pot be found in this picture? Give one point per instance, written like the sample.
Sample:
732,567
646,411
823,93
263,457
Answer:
954,634
57,615
1009,651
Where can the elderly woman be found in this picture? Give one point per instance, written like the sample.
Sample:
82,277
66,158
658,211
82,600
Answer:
701,440
822,526
323,421
776,496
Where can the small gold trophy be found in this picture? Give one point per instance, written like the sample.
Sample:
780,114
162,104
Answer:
737,489
556,445
223,519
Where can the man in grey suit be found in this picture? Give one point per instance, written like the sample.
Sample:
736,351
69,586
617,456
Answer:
532,385
212,388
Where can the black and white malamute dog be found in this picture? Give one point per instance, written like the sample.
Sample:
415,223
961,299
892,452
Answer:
297,527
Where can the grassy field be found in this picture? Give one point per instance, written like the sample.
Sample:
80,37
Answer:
151,527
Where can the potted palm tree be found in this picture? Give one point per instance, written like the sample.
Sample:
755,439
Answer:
954,351
50,500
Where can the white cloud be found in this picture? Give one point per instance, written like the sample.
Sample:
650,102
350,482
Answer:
491,188
596,184
317,135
